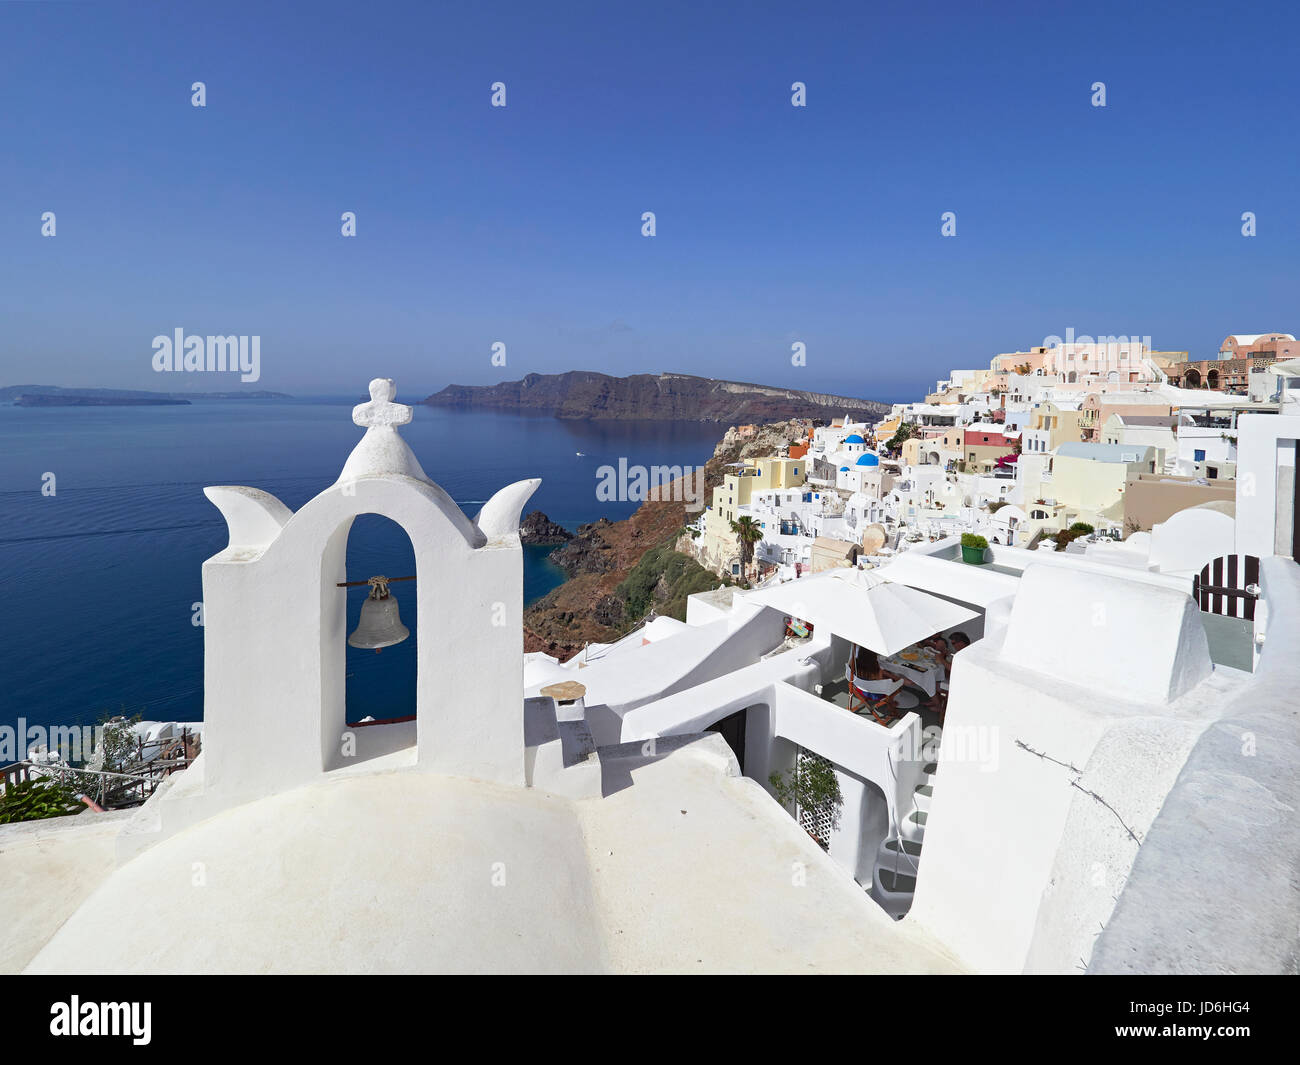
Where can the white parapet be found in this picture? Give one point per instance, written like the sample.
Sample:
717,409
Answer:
1066,727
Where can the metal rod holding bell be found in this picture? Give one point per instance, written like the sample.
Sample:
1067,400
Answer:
358,584
380,625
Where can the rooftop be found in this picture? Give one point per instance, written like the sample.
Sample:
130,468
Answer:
687,871
1151,420
1104,452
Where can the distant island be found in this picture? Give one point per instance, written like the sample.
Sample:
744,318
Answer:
46,400
56,396
583,394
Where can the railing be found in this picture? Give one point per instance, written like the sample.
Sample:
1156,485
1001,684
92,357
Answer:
147,781
382,721
14,774
175,753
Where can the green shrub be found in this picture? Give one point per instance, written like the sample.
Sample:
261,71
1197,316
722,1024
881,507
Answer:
810,785
681,575
1082,528
974,541
33,800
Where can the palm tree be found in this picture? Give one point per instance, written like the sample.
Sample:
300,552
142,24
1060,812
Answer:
749,532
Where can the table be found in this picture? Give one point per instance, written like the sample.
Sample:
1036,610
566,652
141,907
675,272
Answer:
566,691
922,673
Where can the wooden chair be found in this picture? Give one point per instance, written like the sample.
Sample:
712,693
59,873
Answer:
886,690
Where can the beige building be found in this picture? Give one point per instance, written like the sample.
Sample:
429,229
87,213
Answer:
1150,499
1098,406
1082,482
828,553
963,383
937,449
1115,361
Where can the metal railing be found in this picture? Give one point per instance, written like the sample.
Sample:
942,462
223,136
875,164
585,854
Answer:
175,753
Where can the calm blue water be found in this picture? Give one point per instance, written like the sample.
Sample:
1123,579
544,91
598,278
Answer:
99,579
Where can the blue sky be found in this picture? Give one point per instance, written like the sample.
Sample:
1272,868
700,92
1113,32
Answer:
522,224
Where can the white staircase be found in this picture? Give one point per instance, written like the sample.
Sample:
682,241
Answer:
898,858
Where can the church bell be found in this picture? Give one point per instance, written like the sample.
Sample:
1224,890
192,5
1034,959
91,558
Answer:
379,625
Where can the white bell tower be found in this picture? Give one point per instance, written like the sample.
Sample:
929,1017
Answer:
274,621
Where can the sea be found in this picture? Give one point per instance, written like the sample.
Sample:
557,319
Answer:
104,529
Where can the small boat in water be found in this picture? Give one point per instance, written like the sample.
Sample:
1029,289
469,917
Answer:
580,454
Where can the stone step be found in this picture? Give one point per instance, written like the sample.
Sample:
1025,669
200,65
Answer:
894,903
909,847
913,826
890,857
895,884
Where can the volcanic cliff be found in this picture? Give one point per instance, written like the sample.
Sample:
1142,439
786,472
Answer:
583,394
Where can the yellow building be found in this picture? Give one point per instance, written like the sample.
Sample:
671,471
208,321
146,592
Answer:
936,450
884,431
1052,425
738,488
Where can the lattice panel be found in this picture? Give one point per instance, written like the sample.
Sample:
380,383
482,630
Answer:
819,821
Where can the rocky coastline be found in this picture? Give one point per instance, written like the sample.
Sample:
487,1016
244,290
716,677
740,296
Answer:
537,528
620,570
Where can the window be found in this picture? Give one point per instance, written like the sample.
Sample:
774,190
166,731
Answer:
1198,455
1211,471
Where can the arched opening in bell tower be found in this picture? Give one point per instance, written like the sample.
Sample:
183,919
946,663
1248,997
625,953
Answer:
374,650
380,681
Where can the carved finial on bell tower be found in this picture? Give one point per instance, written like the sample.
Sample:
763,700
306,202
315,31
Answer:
382,450
381,410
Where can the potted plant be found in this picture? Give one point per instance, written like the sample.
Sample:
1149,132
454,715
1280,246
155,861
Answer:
973,548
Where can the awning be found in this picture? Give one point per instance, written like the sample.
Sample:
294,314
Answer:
863,607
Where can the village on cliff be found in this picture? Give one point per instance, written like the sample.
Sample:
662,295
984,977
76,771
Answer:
1003,683
1074,447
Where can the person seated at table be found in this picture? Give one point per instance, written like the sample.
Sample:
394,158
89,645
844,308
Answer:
874,684
937,645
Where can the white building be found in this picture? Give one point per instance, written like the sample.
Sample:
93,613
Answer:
1145,430
1207,436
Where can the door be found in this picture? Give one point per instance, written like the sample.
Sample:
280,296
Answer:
1228,586
732,729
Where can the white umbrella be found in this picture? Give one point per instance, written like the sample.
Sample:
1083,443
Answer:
865,608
